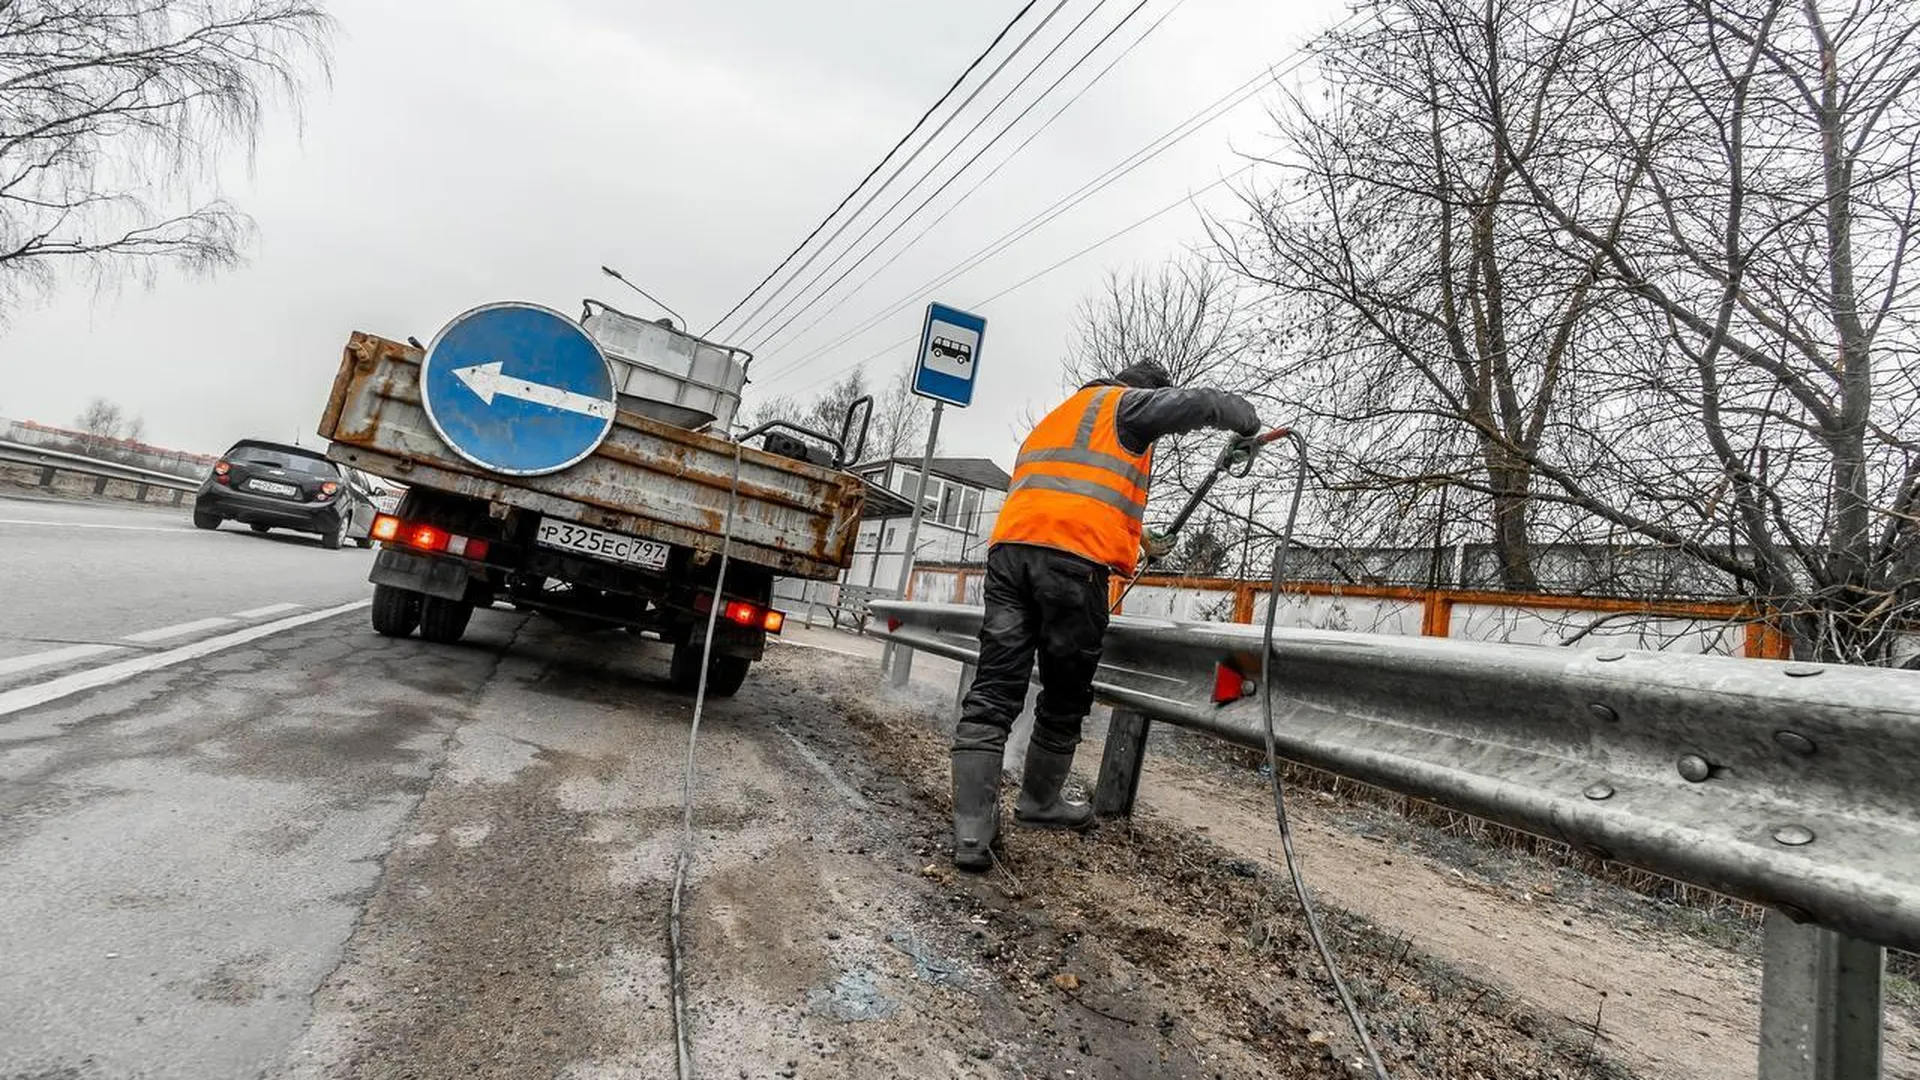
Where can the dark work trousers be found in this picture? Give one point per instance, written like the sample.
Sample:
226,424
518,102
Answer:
1045,602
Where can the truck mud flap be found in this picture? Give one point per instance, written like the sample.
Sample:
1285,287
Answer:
434,577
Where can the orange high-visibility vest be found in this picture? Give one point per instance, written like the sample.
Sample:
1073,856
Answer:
1075,488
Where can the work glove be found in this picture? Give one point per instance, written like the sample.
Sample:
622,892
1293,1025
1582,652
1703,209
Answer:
1155,547
1237,414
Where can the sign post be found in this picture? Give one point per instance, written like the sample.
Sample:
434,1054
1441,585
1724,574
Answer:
944,371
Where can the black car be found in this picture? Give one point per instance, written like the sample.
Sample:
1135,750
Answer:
272,485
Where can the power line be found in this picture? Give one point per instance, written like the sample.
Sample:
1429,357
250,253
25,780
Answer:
918,124
1031,278
911,158
983,181
1171,138
1285,65
941,190
969,163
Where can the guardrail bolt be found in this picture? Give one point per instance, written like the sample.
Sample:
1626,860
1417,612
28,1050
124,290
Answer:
1793,835
1803,671
1603,712
1597,792
1794,743
1694,768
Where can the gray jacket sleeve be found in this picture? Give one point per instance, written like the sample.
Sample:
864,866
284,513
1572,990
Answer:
1146,415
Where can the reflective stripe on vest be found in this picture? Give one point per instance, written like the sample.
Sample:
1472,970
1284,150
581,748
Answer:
1075,487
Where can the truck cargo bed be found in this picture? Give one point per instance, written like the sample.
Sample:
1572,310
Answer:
648,478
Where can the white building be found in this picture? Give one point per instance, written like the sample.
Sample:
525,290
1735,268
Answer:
963,501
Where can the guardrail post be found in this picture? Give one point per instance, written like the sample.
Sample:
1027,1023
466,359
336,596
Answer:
100,486
179,496
898,661
140,493
1119,784
1820,1002
46,476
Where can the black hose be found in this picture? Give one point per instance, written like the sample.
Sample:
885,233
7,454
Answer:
1273,765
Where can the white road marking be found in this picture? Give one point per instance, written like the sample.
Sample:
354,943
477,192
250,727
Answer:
27,697
270,609
179,630
96,525
14,665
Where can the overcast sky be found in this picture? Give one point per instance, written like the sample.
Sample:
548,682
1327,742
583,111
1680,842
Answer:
479,150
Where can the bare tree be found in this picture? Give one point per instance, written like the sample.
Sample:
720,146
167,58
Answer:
1181,314
1185,315
114,112
102,419
1691,325
899,420
825,413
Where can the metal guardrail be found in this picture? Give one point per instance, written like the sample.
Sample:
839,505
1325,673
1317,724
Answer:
1795,786
52,462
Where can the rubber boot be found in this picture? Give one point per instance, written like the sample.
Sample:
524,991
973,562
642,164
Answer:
1041,805
976,808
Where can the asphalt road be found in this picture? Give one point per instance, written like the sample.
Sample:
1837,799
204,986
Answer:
241,835
84,581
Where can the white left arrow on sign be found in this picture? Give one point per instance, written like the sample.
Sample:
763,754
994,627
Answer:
486,381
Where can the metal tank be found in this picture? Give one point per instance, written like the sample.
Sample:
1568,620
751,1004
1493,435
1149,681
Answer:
668,374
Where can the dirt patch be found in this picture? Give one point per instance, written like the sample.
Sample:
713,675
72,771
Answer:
1161,933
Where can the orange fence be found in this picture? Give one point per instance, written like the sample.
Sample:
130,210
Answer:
955,584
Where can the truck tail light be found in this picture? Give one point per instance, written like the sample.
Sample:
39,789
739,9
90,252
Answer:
421,537
749,615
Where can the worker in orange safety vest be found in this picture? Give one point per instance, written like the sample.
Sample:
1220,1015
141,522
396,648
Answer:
1073,515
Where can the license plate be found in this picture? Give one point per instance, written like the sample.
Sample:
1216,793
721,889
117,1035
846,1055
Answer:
268,487
613,547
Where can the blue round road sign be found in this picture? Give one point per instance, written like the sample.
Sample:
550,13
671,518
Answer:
518,389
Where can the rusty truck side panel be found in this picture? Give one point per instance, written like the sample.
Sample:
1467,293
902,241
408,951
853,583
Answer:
648,478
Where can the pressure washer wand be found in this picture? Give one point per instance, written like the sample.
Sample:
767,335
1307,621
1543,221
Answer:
1236,460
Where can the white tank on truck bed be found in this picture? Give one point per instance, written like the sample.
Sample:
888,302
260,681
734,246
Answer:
665,373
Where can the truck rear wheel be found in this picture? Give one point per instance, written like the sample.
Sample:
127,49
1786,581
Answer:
442,621
396,611
725,674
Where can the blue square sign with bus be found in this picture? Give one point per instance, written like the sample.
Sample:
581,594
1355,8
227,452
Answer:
949,355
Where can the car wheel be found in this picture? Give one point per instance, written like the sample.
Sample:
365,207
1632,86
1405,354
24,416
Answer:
259,528
396,611
725,674
444,621
203,519
331,538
